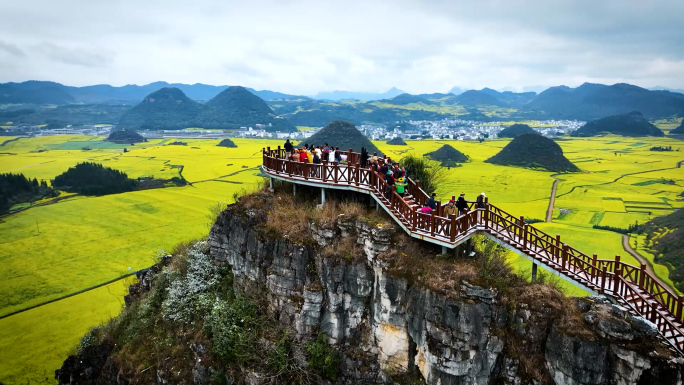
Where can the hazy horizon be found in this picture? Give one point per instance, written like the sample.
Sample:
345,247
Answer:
302,47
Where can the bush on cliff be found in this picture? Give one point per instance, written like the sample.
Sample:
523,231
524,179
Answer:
429,172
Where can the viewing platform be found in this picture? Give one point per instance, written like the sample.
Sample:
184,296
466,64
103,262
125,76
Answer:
630,286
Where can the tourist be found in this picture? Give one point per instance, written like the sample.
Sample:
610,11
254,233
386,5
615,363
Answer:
390,182
481,201
326,152
426,211
288,148
450,209
309,155
338,155
404,173
383,170
397,171
401,186
432,202
316,164
461,204
332,156
302,156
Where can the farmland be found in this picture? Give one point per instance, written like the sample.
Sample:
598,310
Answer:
53,250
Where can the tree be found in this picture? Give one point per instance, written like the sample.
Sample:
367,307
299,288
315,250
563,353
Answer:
429,172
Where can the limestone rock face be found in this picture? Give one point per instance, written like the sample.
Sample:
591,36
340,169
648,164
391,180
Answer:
384,324
458,340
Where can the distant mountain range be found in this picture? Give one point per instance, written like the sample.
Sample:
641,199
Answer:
40,92
78,105
169,108
351,95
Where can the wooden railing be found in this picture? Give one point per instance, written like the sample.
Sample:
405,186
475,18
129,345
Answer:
631,286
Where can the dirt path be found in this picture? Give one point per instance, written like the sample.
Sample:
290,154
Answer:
633,253
552,201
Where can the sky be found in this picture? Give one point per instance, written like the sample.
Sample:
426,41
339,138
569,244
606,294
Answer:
305,47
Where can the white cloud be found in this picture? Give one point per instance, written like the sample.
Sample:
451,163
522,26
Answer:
304,47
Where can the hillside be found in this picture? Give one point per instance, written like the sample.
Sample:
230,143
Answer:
125,136
35,92
631,124
343,135
515,130
404,99
594,101
679,130
236,107
166,109
447,155
170,109
396,141
665,237
475,98
533,151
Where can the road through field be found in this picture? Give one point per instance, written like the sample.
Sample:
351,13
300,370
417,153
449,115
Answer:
633,253
549,211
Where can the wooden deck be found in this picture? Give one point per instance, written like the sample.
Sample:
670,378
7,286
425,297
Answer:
631,286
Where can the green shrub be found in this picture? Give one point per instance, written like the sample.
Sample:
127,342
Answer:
233,329
429,172
323,358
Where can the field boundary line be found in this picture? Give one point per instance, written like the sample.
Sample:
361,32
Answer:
67,296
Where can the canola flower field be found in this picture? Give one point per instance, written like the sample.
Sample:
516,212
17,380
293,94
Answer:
53,250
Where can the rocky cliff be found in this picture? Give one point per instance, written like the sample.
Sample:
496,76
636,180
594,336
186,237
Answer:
352,281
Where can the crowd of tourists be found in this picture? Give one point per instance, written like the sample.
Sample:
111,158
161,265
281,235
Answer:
393,174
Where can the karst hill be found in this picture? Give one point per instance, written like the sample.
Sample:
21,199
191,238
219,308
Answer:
447,155
533,151
630,124
343,135
125,136
679,130
515,130
396,142
235,107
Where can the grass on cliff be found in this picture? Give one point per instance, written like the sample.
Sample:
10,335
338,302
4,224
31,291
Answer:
192,309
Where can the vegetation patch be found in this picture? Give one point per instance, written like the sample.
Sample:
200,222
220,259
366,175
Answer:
448,156
343,135
630,124
396,142
17,189
93,179
516,130
125,137
227,143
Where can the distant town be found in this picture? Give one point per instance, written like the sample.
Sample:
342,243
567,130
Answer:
411,129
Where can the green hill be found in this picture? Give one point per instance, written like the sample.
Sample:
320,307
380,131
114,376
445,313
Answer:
227,143
166,109
533,151
125,136
679,130
396,141
630,124
447,155
515,130
343,135
236,107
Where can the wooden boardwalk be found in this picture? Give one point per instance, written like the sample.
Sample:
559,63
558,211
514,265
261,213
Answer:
633,287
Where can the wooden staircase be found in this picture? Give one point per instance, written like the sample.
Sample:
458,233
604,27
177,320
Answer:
630,286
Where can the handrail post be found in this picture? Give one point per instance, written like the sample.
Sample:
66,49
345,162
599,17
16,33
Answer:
617,263
356,171
616,278
564,257
349,171
453,228
486,213
278,156
337,167
642,273
350,157
603,279
289,168
432,223
680,301
323,173
594,271
557,253
523,232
